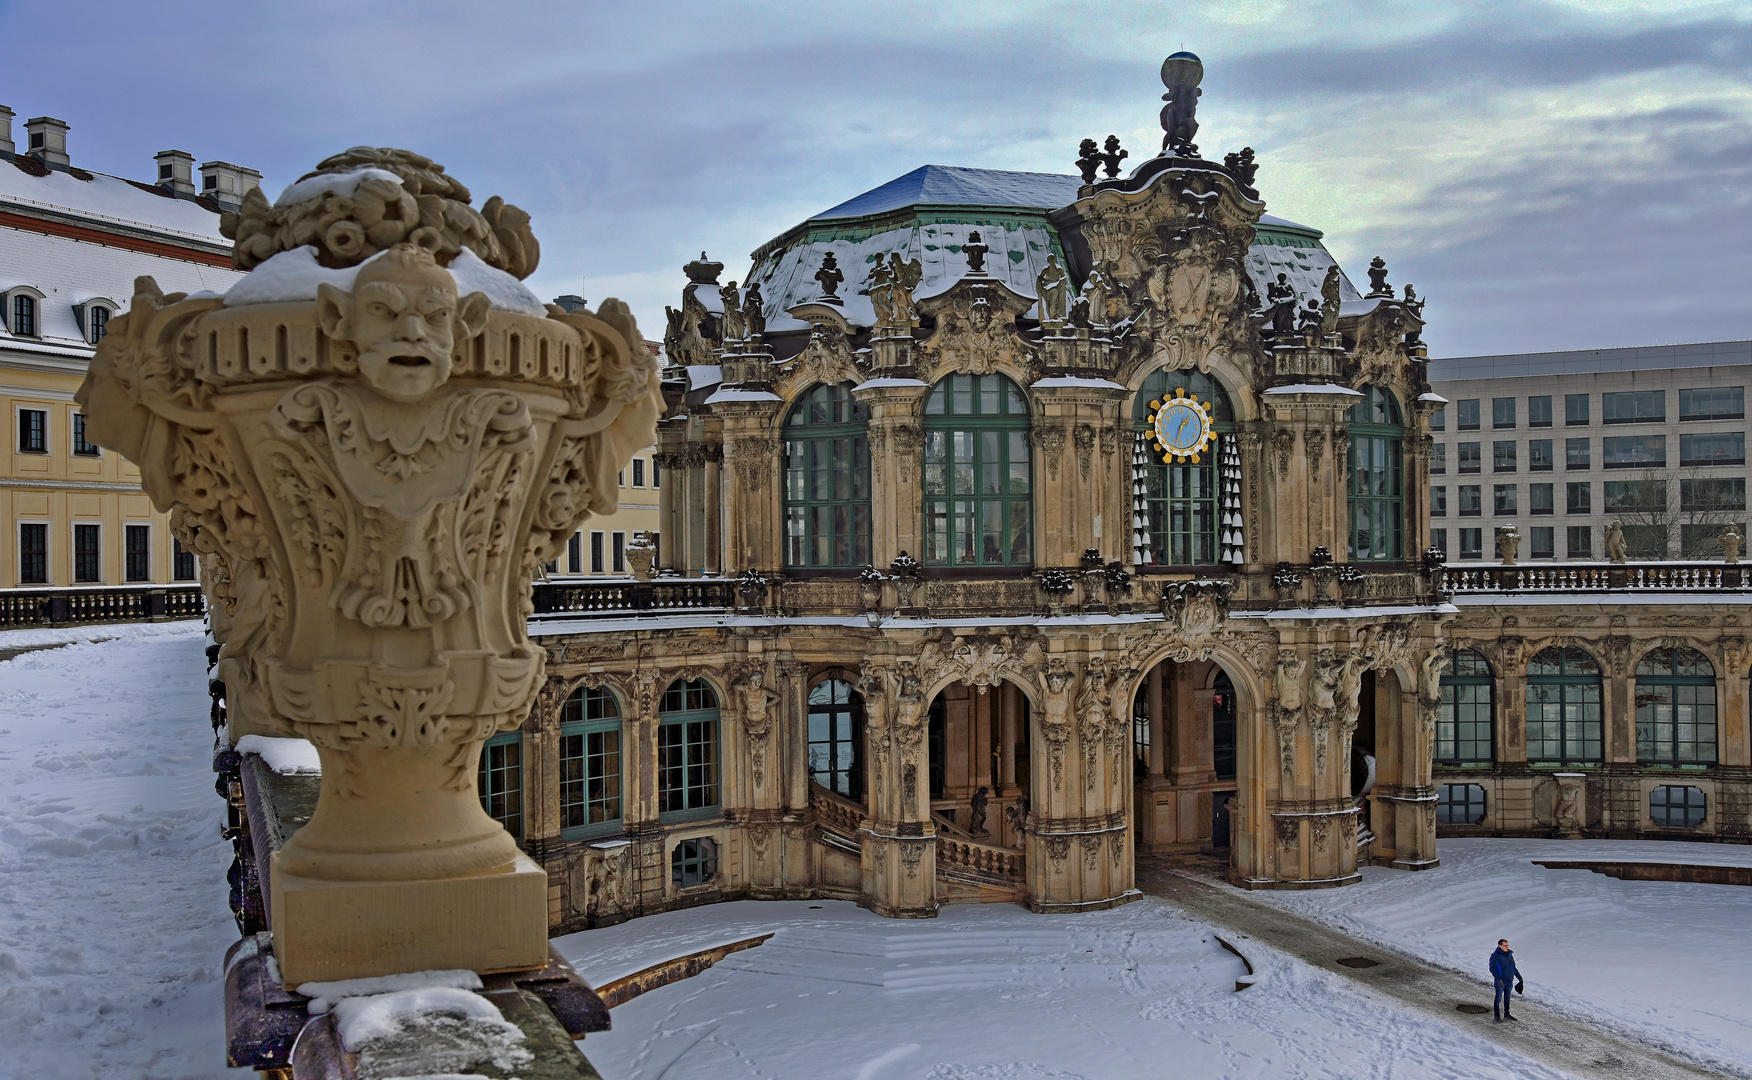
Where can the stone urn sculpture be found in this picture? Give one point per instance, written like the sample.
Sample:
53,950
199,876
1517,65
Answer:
383,429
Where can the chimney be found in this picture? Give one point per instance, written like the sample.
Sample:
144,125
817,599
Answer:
48,140
6,143
226,183
176,171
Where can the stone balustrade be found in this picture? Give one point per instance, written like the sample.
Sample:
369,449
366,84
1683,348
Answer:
1597,577
99,604
954,852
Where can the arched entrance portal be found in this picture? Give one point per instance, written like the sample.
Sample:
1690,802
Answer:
978,762
1184,741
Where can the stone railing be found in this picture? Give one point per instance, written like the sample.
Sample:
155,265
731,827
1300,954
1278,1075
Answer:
954,853
609,598
836,812
1597,577
99,604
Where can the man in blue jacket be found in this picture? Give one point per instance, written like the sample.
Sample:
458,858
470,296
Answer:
1504,972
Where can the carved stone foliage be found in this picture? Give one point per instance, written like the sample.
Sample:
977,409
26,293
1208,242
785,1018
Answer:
825,359
367,200
390,464
754,457
1287,706
981,660
1051,442
976,331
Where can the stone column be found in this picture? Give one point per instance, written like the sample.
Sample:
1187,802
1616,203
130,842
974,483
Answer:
395,461
714,510
899,841
1080,852
671,535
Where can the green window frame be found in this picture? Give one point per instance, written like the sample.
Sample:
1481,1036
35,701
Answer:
827,479
1466,724
1676,711
694,862
1563,708
1678,806
1460,804
1180,503
836,737
499,780
687,752
1377,478
979,481
591,775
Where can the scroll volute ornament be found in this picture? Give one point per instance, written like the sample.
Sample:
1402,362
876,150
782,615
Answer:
393,461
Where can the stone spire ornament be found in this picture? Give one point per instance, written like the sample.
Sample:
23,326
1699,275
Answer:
975,249
1112,156
1181,74
389,442
830,276
1088,160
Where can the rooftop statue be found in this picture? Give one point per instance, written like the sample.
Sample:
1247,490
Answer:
1181,74
388,434
1112,157
975,249
1052,286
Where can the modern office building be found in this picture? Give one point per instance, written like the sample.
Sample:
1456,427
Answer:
1561,445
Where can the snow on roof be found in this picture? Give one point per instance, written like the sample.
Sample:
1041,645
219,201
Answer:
1073,381
110,199
1018,252
1313,388
70,272
726,394
949,185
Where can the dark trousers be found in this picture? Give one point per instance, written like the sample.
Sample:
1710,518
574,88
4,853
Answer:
1504,988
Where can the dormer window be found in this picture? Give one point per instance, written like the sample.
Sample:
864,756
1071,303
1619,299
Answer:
24,318
166,172
210,183
99,323
37,140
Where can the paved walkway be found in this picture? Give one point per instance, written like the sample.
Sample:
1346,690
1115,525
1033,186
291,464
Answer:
1572,1046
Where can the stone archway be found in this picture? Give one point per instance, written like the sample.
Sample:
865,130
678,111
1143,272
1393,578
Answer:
1181,712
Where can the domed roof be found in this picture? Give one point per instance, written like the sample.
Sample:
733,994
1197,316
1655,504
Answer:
927,214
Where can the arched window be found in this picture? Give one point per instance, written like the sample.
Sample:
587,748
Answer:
1563,708
937,747
24,317
590,763
1185,511
836,738
827,479
1377,481
500,780
687,751
99,322
1465,723
978,474
1223,726
1675,708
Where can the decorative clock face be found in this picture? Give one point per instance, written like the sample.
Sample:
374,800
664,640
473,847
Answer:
1181,426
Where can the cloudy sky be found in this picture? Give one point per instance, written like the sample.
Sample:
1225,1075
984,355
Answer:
1553,175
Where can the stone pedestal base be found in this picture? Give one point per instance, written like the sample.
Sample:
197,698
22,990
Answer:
326,930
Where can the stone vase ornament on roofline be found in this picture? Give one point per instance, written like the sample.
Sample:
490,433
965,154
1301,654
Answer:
392,458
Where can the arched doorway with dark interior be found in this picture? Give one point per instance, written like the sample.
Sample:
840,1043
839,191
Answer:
979,766
1184,742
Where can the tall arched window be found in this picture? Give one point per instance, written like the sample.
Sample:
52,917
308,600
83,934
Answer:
1675,708
1377,481
1465,723
590,763
1185,512
687,751
836,738
827,479
978,478
1563,708
500,780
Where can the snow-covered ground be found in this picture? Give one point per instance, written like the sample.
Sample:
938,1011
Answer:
1668,963
996,993
113,917
113,923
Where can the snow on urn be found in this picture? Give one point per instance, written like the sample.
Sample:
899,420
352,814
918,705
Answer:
388,431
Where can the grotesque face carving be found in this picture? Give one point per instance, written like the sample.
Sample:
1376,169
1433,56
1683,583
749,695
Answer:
404,316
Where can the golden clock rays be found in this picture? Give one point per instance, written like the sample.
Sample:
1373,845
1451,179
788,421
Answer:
1180,427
